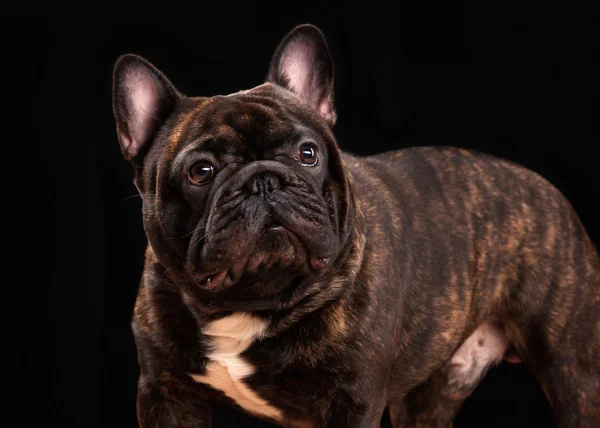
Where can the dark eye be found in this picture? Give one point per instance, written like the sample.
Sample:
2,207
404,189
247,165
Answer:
307,154
201,173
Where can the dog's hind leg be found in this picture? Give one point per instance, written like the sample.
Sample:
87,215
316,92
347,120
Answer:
566,362
573,392
555,323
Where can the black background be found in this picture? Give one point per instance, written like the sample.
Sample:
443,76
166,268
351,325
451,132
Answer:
501,78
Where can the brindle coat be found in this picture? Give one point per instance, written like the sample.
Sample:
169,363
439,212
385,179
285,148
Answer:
434,242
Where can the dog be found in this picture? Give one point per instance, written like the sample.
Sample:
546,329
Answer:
313,288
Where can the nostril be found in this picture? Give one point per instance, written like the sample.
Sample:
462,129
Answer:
262,184
254,185
271,182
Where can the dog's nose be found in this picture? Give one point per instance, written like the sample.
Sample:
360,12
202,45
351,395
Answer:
263,184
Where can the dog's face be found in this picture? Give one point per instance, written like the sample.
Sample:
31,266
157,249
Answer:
244,195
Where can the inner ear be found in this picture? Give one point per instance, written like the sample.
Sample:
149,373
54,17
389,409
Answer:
142,99
302,64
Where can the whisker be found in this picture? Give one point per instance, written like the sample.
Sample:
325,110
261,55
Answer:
137,195
193,231
188,234
201,238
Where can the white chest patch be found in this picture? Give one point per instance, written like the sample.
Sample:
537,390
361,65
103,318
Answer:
226,371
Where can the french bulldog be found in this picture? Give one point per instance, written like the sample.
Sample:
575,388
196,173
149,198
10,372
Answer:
314,288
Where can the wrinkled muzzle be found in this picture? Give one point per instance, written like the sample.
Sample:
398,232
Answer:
265,221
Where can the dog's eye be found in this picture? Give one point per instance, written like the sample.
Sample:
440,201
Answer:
308,154
201,173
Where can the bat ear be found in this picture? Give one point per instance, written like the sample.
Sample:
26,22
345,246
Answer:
142,99
302,63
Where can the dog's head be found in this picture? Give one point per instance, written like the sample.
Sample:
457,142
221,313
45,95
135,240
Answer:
244,195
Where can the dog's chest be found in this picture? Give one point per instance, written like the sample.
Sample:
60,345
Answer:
226,370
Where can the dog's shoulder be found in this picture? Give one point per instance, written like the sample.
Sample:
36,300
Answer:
161,321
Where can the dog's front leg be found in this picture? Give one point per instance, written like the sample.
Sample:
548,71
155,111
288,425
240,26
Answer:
356,415
172,402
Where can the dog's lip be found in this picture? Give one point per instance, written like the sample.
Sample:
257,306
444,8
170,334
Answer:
220,279
213,280
317,261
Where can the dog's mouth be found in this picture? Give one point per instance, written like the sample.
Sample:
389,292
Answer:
225,275
216,280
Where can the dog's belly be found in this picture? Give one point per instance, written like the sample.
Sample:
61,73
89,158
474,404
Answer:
226,371
485,347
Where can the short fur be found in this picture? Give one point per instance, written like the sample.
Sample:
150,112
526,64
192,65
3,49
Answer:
320,295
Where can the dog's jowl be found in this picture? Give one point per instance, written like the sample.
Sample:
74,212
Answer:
313,288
